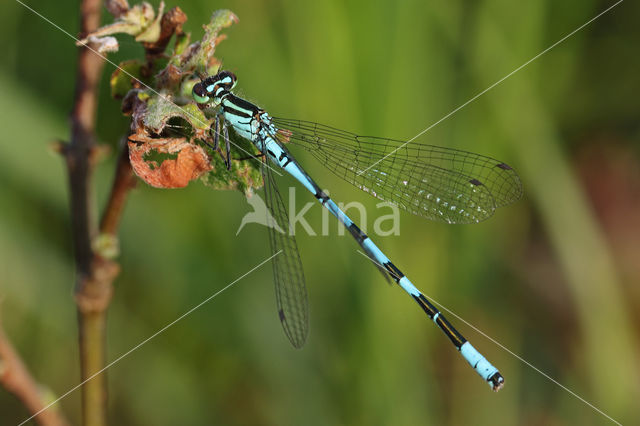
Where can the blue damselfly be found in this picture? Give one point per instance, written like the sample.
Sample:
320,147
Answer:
438,183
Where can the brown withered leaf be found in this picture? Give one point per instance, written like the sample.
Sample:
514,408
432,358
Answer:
117,7
167,163
170,24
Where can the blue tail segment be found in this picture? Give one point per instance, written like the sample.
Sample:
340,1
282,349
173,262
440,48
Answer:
478,362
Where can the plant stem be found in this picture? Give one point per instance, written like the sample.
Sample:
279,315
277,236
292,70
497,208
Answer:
123,181
93,297
15,377
93,276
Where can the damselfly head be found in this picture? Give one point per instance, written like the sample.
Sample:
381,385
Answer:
214,87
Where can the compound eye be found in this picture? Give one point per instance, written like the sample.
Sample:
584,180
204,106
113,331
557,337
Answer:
201,99
200,94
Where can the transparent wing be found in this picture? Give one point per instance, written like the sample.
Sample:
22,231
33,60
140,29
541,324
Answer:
438,183
291,293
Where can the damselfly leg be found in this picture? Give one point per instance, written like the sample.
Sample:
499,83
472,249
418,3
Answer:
215,133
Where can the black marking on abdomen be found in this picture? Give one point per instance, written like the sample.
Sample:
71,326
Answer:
504,166
281,315
453,335
426,306
273,154
357,233
475,182
322,197
395,273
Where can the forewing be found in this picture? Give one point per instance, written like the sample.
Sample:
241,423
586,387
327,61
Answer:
438,183
291,293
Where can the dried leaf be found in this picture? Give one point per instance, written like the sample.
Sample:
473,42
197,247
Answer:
169,78
117,7
182,162
170,24
136,21
104,44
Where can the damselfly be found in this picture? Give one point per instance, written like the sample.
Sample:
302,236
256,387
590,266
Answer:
437,183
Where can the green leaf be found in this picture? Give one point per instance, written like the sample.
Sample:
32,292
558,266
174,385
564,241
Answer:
121,79
182,42
151,33
244,175
161,109
203,59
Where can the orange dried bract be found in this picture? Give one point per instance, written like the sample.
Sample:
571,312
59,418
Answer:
191,162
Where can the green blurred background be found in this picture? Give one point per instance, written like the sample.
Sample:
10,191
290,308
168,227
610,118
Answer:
554,278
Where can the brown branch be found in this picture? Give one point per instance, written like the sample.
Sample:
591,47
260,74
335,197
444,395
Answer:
94,274
16,378
94,295
123,181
